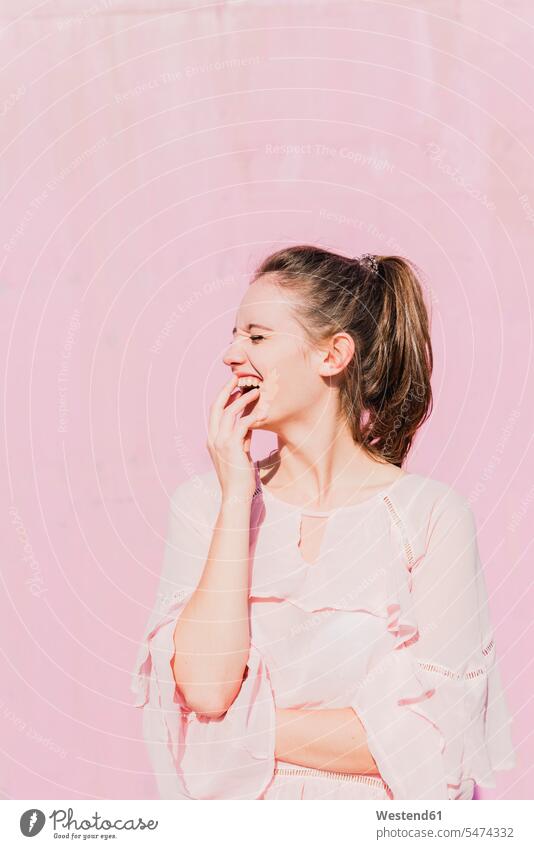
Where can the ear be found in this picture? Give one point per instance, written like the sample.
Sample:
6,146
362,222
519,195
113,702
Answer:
336,355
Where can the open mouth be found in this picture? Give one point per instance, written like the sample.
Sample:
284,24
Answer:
247,384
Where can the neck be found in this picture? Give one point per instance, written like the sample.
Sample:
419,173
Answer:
325,463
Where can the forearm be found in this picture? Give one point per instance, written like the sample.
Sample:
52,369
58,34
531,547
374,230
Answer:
332,739
212,634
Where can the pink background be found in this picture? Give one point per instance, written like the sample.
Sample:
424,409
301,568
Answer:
141,184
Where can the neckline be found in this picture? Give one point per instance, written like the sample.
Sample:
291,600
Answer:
346,508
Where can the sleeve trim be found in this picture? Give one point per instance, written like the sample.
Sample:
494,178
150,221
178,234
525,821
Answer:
474,673
408,550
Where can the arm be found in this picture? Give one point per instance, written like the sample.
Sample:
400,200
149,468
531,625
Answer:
196,756
332,739
212,637
432,704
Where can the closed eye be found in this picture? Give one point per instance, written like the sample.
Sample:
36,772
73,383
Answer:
254,338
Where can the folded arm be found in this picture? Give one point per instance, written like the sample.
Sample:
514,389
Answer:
332,739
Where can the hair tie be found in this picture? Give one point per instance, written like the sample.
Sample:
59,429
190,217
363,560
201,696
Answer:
370,261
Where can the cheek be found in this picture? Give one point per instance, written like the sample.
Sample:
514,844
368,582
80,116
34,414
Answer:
271,385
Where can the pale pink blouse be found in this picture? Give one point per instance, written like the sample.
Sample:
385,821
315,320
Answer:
391,620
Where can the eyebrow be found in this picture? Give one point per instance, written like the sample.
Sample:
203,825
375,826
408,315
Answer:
249,326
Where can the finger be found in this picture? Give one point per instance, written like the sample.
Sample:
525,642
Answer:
246,421
231,414
241,401
217,408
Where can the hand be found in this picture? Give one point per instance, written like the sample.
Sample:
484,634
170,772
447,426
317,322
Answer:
229,438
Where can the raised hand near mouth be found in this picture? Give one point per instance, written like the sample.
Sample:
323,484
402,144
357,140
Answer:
229,438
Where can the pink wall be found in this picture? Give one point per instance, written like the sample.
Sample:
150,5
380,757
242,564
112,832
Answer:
149,160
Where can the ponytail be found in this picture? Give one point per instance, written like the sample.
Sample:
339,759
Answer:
396,359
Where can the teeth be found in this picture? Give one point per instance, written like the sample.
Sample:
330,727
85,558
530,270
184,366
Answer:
248,383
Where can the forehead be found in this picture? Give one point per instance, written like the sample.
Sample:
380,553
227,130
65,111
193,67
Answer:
267,304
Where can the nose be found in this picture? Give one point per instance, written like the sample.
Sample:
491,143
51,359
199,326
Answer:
234,354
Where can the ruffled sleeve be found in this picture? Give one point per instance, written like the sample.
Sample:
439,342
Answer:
432,701
193,756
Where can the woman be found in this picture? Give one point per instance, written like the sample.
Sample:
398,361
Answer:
323,627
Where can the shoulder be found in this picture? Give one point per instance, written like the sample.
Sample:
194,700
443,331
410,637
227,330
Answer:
428,505
430,495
